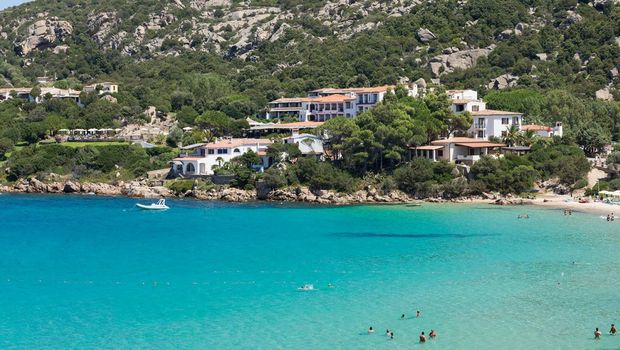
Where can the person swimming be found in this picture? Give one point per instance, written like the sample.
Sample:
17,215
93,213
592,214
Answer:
418,314
402,317
422,338
370,330
391,335
387,332
613,329
432,334
597,334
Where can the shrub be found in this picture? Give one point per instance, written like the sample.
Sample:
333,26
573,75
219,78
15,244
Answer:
180,186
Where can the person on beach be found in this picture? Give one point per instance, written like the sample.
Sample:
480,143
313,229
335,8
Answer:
370,330
432,334
422,338
597,334
608,217
612,217
613,329
418,314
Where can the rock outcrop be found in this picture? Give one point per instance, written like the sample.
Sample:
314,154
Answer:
604,94
425,35
504,81
464,59
43,34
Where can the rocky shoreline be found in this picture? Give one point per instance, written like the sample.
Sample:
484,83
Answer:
142,189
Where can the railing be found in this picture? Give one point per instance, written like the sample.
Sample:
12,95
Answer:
480,125
471,158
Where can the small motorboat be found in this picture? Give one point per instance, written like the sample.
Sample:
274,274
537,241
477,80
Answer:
306,288
160,205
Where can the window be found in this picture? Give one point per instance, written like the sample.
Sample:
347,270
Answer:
505,121
334,106
202,152
348,105
236,150
480,134
328,107
475,108
211,151
222,151
515,120
440,153
459,108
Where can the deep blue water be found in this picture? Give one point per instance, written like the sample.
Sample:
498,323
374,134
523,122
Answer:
89,273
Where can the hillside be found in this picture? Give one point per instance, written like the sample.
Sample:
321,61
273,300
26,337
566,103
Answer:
321,42
234,56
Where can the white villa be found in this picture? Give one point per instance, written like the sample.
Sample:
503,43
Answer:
545,131
106,88
487,122
204,157
25,93
52,92
324,104
309,145
460,150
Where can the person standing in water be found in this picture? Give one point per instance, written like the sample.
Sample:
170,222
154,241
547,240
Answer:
402,317
432,334
422,338
597,334
418,314
370,330
613,329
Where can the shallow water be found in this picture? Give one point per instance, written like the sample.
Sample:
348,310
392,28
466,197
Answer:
86,272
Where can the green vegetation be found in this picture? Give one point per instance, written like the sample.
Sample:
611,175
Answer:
564,51
85,162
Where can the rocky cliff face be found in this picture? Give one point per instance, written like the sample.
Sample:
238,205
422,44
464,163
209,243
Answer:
231,28
243,29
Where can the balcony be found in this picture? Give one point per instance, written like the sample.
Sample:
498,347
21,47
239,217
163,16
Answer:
480,125
468,158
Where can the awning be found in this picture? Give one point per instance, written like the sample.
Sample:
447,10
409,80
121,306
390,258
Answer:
428,148
480,144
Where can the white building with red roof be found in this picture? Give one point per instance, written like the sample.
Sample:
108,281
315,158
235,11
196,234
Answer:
202,160
324,104
487,122
545,131
460,150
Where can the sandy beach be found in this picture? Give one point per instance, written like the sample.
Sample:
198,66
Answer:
567,202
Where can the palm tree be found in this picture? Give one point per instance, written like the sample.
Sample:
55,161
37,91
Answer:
512,135
527,138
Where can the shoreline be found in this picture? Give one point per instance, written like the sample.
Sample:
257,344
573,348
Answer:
368,196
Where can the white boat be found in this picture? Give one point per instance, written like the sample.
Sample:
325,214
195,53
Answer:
306,288
160,205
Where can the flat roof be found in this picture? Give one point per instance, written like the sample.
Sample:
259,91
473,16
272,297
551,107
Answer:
428,148
480,144
458,140
492,112
287,126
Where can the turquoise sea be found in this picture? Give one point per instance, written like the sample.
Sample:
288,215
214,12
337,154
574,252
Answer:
97,273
